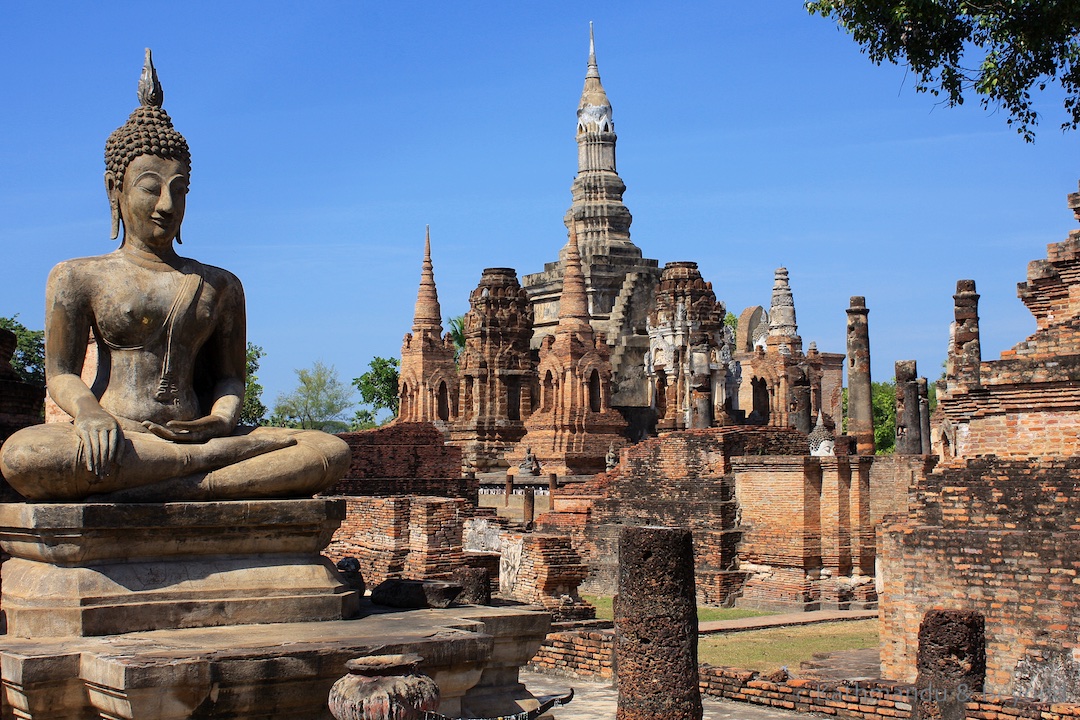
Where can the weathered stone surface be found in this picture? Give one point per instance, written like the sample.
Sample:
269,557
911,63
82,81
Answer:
860,398
693,377
656,626
349,568
415,593
951,663
99,569
475,585
473,653
384,687
495,369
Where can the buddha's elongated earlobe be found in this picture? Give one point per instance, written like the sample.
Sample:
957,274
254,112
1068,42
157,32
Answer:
112,190
178,240
114,206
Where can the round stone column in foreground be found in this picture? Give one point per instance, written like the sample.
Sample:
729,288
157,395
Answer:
656,626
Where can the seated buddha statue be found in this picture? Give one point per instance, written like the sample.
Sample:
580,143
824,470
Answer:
159,421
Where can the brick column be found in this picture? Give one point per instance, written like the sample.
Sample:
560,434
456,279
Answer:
656,626
963,366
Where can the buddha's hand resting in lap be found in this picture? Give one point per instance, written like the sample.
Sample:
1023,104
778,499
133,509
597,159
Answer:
100,441
191,431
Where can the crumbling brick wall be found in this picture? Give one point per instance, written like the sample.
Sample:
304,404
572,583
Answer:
998,537
404,459
681,479
544,570
401,537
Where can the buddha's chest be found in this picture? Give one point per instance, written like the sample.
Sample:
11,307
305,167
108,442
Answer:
148,310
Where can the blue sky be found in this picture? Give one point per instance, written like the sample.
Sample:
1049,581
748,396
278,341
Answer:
325,136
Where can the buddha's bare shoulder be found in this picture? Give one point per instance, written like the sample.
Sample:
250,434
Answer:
76,274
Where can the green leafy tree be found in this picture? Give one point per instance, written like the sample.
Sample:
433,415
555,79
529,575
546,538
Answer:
379,385
253,411
364,419
1000,50
318,403
731,321
457,334
28,359
883,402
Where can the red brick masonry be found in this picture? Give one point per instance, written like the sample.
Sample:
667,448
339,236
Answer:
589,653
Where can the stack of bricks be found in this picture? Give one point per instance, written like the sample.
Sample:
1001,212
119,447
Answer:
401,537
549,574
404,458
588,654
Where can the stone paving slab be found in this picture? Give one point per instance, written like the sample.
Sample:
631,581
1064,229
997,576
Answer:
599,701
770,621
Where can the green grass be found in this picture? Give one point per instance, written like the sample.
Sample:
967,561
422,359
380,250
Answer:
769,649
705,614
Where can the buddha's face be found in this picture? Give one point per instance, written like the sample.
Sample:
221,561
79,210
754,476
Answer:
152,199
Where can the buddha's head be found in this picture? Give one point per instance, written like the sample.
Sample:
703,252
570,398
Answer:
144,156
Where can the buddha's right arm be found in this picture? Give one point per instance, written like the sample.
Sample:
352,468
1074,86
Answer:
99,433
67,328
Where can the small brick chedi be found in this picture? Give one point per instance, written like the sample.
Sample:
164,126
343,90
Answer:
782,386
574,426
993,529
428,381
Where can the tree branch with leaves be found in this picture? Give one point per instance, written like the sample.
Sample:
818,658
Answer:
999,50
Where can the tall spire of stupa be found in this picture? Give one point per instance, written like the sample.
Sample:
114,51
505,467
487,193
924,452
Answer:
782,313
574,303
428,315
597,206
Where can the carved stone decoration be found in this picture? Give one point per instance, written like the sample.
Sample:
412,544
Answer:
384,687
495,371
781,385
687,339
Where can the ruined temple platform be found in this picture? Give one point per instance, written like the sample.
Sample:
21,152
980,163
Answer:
270,671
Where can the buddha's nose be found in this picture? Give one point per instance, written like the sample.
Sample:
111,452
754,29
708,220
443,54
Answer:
165,202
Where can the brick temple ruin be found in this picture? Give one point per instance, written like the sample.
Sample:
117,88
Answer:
993,529
657,352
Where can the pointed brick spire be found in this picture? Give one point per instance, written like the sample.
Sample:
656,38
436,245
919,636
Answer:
574,302
428,315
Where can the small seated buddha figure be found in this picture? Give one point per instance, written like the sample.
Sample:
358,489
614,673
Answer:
159,422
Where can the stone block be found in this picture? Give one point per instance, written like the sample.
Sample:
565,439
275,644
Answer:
103,569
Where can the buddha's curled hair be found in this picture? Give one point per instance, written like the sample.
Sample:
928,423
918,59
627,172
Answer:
149,130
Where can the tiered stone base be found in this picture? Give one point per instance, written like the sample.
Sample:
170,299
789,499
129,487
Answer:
104,569
270,672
